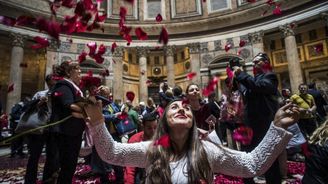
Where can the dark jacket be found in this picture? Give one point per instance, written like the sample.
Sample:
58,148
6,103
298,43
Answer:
63,95
316,165
320,102
261,101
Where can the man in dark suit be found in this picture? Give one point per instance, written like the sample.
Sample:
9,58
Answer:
261,103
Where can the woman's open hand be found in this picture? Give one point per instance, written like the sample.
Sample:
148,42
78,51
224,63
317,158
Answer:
91,112
286,116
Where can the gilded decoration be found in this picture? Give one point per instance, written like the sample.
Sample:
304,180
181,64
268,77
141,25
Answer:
280,57
316,50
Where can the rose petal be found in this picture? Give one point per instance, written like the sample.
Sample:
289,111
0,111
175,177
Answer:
242,43
114,45
159,18
277,10
163,141
163,37
92,48
227,47
10,88
130,95
191,75
141,34
82,57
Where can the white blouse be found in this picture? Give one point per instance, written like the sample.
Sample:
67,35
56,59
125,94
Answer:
222,160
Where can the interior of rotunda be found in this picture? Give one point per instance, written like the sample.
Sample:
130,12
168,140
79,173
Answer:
136,46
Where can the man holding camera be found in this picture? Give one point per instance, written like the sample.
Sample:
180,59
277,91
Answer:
261,103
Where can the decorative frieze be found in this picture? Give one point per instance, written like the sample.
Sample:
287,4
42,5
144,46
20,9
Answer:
194,48
119,51
53,45
256,37
204,47
217,45
142,51
65,47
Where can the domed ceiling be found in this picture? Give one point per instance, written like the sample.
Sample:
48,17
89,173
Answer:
181,18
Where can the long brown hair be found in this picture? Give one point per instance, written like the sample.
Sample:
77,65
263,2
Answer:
158,157
320,135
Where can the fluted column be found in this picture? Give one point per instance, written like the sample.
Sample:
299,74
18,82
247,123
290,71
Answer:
194,49
143,88
169,53
118,74
15,77
294,65
257,42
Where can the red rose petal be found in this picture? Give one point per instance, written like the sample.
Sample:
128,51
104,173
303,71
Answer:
159,18
227,47
149,82
191,75
92,48
242,43
163,37
243,135
163,141
277,10
130,95
318,48
141,34
123,116
10,88
114,45
102,49
82,56
210,88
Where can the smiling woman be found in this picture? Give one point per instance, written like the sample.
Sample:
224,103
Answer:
187,159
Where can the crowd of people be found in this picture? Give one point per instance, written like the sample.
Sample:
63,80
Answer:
183,139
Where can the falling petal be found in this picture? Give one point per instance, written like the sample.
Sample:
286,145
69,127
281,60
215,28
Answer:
242,43
92,48
25,20
100,18
8,21
148,82
227,47
163,37
210,88
99,59
82,57
79,9
130,96
270,2
41,42
114,45
239,52
102,49
54,29
191,75
10,88
159,18
243,135
163,141
141,34
123,12
143,72
277,10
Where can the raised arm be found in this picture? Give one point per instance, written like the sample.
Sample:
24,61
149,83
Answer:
268,84
116,153
237,163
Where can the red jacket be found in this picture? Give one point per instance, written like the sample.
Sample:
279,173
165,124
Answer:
130,171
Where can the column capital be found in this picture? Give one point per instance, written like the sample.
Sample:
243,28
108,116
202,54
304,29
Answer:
194,47
142,51
324,16
18,39
119,51
256,37
288,29
53,45
169,50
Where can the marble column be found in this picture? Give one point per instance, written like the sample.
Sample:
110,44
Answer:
294,65
257,42
118,74
143,88
194,50
52,55
15,77
169,53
